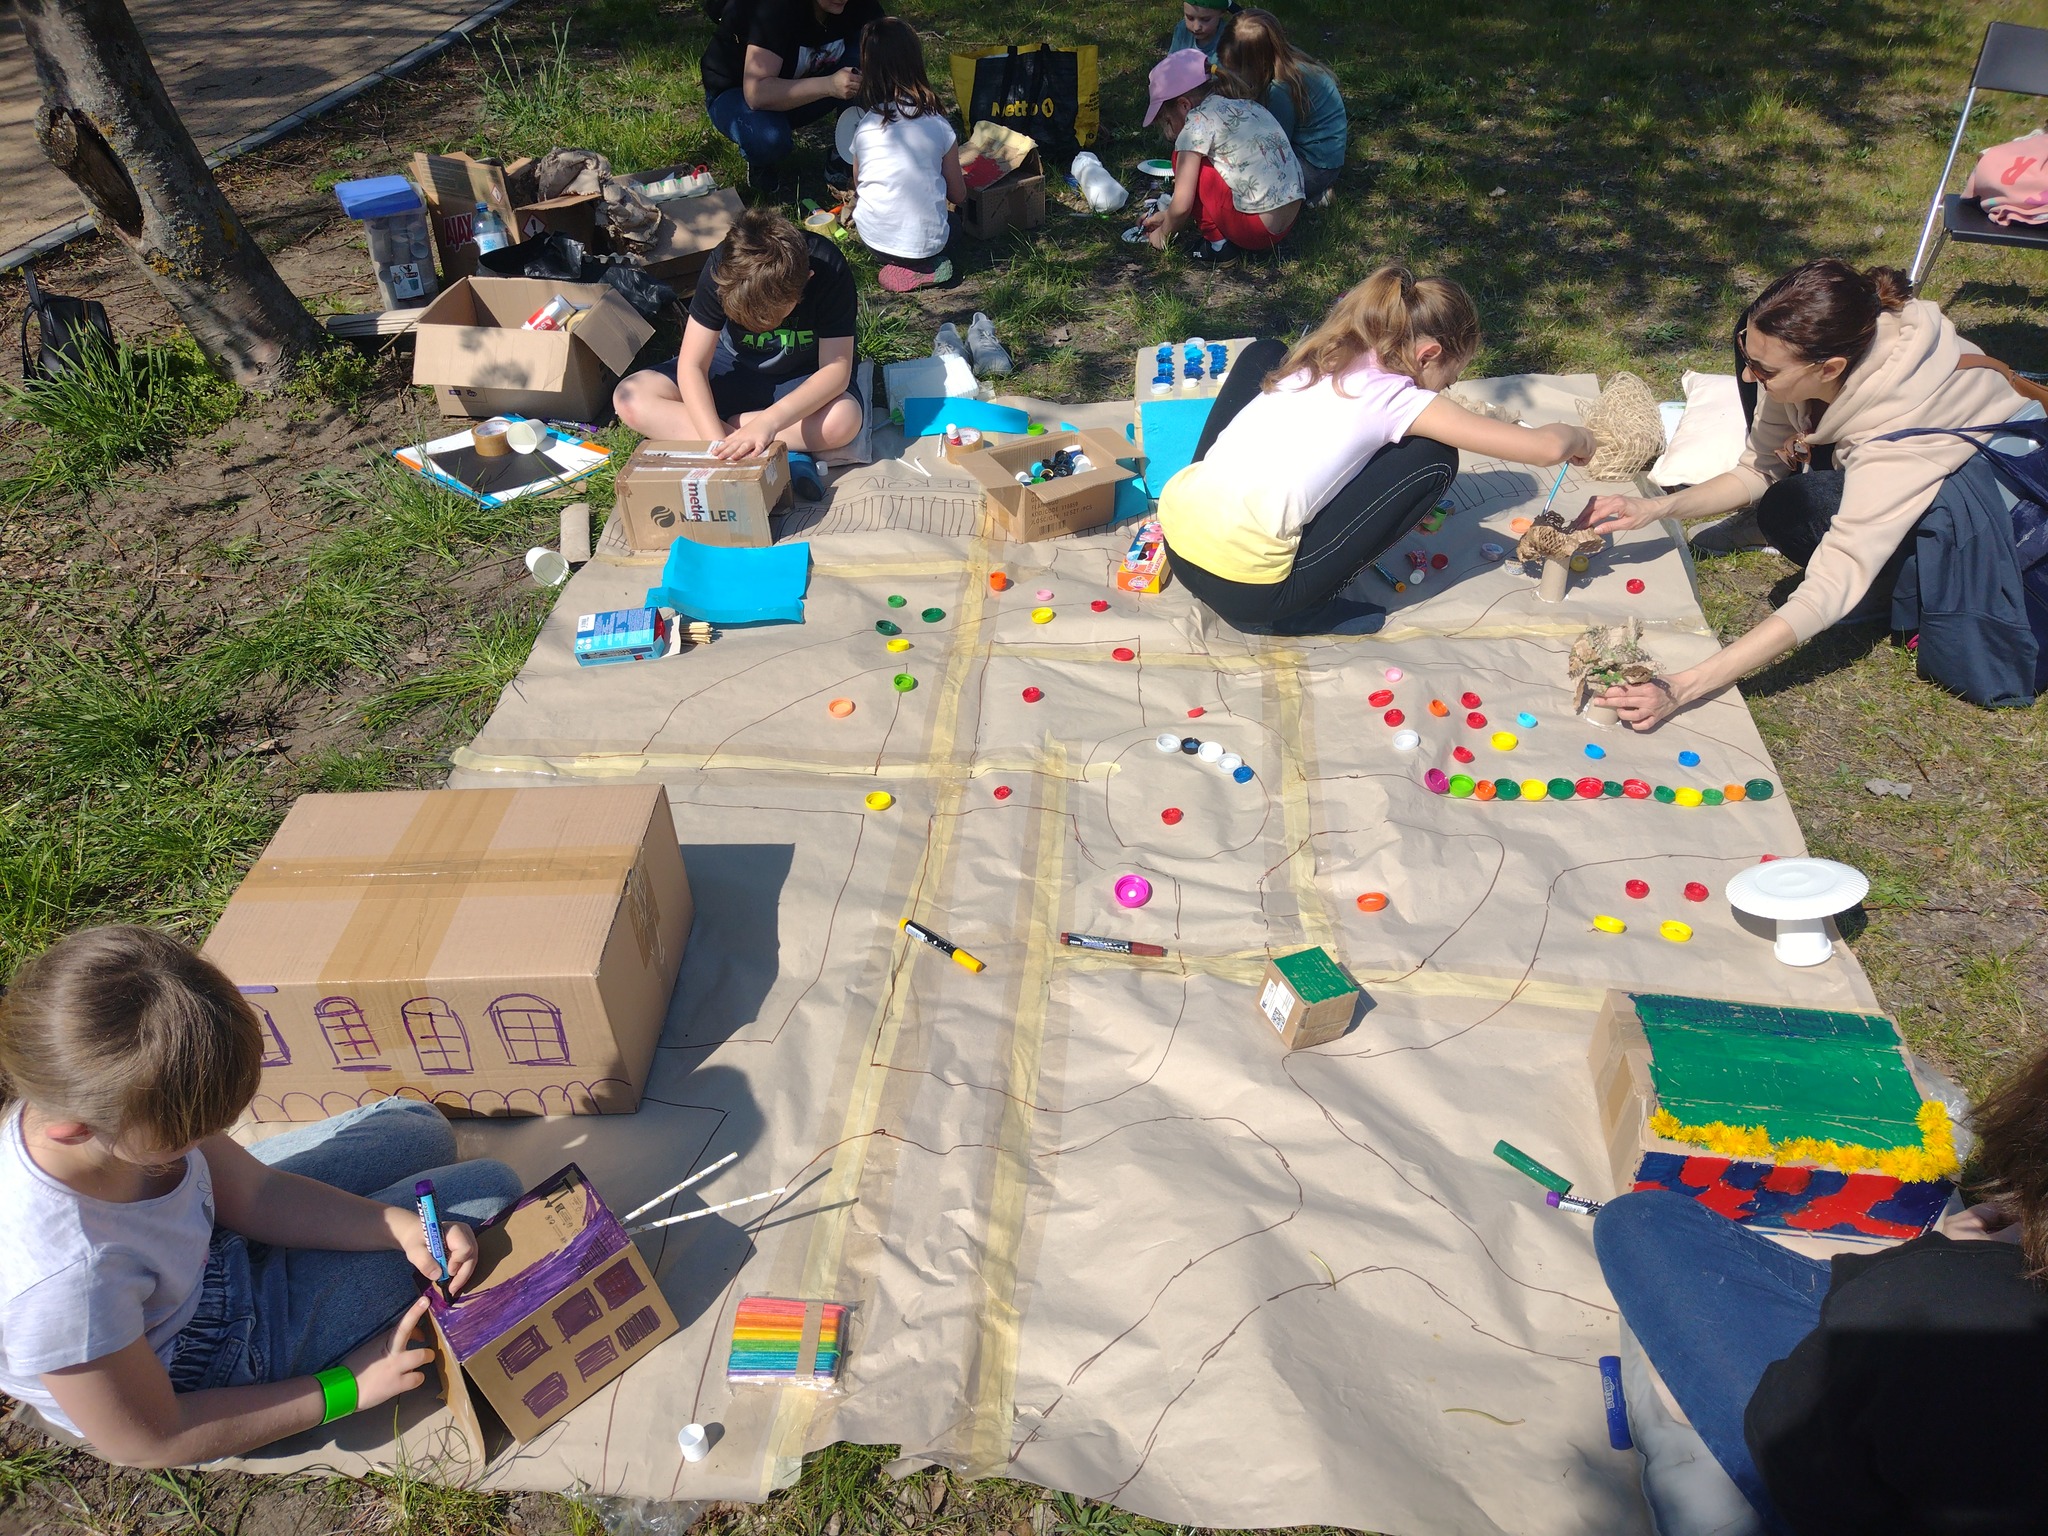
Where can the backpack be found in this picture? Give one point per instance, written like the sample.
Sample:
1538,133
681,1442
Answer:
64,329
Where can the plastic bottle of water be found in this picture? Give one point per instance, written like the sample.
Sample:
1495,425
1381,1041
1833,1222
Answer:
488,230
1105,194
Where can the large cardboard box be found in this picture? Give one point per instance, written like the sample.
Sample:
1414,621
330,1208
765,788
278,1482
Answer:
453,185
469,347
1145,368
1017,201
1051,507
493,951
560,1303
700,223
672,490
1307,998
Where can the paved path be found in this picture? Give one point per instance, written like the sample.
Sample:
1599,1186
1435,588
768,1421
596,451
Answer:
232,70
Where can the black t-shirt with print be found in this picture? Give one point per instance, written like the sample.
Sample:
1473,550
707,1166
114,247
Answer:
790,351
789,29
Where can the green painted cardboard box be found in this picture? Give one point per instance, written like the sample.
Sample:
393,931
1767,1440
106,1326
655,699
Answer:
1307,998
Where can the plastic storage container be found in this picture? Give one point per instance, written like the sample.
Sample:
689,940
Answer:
394,220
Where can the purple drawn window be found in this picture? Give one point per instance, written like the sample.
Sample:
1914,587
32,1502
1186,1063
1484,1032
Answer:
530,1029
577,1314
348,1035
438,1038
637,1327
525,1349
594,1359
619,1284
550,1394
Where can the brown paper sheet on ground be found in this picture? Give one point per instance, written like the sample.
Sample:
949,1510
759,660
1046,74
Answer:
1103,1233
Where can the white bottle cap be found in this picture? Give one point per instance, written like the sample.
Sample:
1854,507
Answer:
1211,751
1230,762
693,1442
1166,741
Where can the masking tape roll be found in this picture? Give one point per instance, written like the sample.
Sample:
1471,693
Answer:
489,437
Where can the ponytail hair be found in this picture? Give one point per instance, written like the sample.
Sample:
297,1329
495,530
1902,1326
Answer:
1384,317
1828,309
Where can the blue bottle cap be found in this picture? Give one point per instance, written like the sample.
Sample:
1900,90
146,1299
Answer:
1595,751
1243,773
1688,759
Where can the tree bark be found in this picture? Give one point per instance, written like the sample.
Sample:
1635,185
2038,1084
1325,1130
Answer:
107,123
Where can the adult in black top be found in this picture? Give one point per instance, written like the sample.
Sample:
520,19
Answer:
767,352
1887,1393
774,65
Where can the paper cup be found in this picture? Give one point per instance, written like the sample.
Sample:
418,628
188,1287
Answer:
525,436
546,567
693,1442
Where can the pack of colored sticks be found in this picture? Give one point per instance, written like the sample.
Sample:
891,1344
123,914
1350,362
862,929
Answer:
781,1342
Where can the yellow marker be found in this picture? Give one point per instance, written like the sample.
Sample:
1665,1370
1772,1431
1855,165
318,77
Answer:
1688,796
1608,924
920,932
1503,741
899,644
1534,789
1674,930
880,800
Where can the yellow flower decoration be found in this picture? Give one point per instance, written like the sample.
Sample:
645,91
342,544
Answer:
1934,1158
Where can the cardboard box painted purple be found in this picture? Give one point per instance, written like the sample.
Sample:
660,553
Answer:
495,952
561,1303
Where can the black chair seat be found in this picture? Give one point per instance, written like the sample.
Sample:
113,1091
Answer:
1965,220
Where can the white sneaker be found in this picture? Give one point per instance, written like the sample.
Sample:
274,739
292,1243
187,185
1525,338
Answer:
1730,535
948,343
990,356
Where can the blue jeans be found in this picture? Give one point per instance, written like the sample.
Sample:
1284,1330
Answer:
763,137
1713,1304
269,1314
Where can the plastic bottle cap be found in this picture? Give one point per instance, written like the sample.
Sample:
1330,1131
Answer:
1469,700
1581,564
1171,815
1380,698
1438,561
1611,788
1036,429
840,708
885,627
1711,797
896,601
899,646
1689,796
1124,653
1462,754
904,682
1637,889
1503,741
1664,794
1437,782
1099,606
1758,789
932,615
1526,720
880,799
1560,789
1002,791
998,582
1045,594
1230,762
1373,901
1688,759
1133,890
1033,695
1041,615
1608,924
1518,525
1197,712
1394,674
1595,751
1210,751
1439,708
1534,789
1492,554
1165,741
1191,745
1694,891
1674,930
1635,586
1588,788
1242,773
1406,741
1507,789
1635,789
1393,717
1460,785
1476,721
1734,792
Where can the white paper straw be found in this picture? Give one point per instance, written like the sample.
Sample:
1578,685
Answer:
702,1173
709,1210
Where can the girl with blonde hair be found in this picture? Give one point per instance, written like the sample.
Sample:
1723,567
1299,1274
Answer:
1314,461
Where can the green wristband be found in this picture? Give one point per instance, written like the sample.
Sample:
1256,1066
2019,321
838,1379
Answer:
337,1392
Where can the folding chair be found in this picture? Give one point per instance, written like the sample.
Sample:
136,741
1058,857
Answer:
2014,59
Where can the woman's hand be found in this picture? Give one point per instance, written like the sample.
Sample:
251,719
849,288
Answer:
387,1364
1987,1222
1616,514
1645,706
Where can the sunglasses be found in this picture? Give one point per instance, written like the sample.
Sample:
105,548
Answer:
1756,370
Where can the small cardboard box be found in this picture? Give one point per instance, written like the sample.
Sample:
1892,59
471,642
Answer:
560,1303
469,346
493,951
453,185
1051,507
1307,998
672,490
1017,201
700,223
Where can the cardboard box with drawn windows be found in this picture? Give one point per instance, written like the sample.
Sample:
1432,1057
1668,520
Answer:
493,951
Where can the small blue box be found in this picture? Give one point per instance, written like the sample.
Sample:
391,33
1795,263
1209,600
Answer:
623,634
377,197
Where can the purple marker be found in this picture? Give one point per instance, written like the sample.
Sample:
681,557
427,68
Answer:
1617,1405
430,1218
1572,1203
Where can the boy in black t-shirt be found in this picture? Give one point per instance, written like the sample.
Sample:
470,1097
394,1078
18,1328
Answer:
767,351
775,65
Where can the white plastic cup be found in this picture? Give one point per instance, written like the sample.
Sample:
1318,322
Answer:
546,567
693,1442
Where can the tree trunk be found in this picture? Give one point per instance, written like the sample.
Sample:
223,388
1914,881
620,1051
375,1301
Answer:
107,123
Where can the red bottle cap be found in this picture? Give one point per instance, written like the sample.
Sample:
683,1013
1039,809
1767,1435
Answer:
1171,815
1099,606
1476,720
1033,695
1469,700
1393,717
1002,791
1694,891
1462,754
1380,698
1635,585
1637,889
1124,653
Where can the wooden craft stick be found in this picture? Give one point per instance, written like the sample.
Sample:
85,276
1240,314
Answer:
702,1173
709,1210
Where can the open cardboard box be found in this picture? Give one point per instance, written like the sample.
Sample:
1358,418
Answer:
672,490
492,951
453,185
469,347
699,224
1016,201
1052,507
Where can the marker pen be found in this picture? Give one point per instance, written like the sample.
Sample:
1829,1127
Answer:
1572,1203
960,956
1113,946
430,1218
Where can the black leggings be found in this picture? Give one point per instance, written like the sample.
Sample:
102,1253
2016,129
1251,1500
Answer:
1374,508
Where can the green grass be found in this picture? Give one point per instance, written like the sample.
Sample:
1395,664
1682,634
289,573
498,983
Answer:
488,654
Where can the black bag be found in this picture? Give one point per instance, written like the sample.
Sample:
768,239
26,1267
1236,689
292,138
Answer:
556,257
1048,94
64,329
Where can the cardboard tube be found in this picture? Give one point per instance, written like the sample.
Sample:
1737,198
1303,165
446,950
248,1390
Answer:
1555,574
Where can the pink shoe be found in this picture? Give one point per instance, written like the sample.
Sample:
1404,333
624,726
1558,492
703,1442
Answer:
904,280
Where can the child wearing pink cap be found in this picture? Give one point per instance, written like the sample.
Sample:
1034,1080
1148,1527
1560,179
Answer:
1235,176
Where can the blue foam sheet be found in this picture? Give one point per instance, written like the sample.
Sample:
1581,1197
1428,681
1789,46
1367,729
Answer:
926,416
1172,429
734,586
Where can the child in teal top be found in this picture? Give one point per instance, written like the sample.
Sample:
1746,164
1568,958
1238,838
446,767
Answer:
1200,26
1300,93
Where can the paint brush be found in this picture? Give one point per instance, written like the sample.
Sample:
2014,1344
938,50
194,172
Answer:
709,1210
1555,486
702,1173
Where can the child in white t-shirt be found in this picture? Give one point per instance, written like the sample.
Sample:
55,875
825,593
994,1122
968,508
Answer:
1313,462
166,1294
906,161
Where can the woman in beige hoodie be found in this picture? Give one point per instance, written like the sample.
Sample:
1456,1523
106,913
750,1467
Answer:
1842,358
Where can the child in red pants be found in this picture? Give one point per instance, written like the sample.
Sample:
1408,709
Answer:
1235,177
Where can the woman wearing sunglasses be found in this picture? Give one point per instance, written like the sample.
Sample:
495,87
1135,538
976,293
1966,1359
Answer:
1842,358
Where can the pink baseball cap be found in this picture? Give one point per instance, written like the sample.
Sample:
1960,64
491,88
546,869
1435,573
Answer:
1175,75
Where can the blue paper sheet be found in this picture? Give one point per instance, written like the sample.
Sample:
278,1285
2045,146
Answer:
926,416
734,586
1172,428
